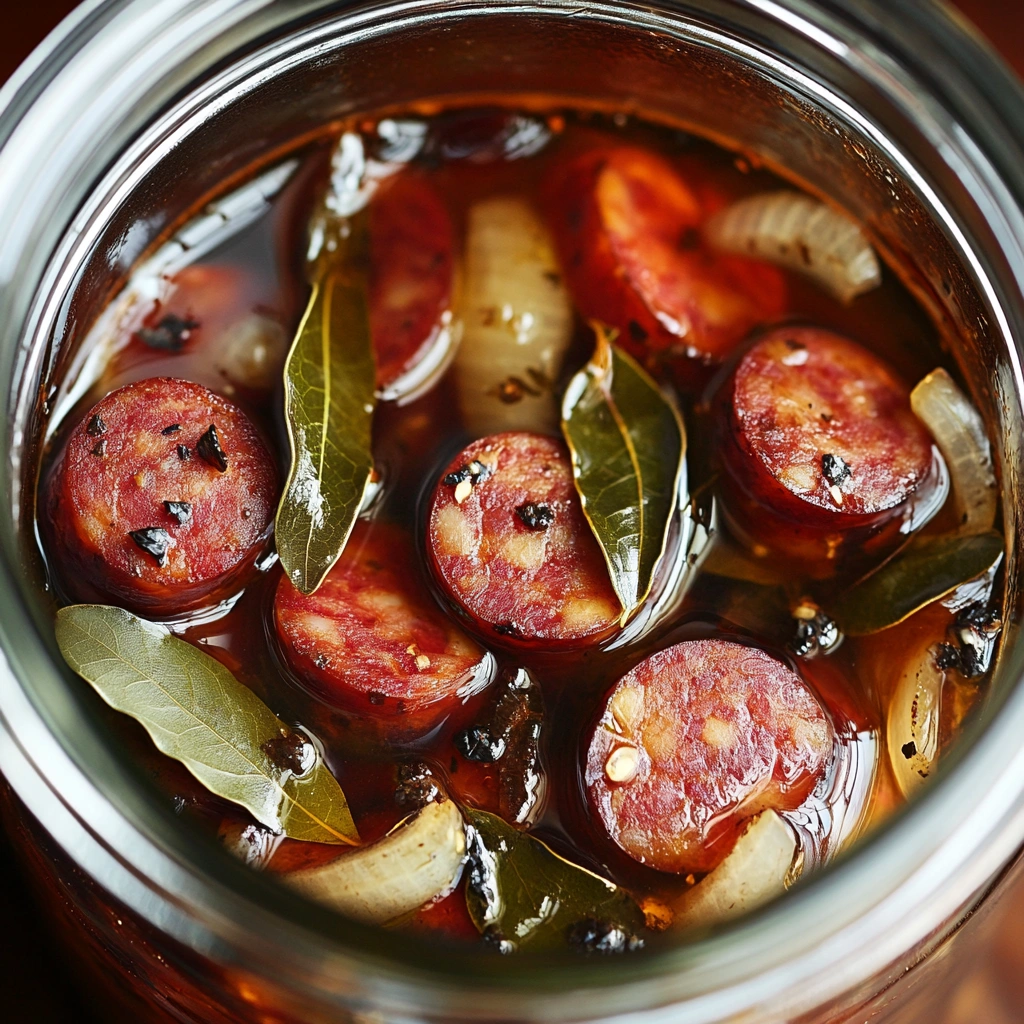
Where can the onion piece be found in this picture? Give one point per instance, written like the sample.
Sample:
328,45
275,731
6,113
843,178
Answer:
799,233
418,861
250,353
758,868
912,727
517,321
959,431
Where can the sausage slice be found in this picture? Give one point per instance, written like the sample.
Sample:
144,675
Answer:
411,253
628,231
694,741
822,448
511,549
163,496
372,642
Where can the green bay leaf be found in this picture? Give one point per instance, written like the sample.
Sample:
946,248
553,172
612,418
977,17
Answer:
329,398
927,569
628,446
197,712
530,897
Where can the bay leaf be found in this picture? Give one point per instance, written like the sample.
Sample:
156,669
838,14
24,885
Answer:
628,446
197,712
522,893
329,398
927,569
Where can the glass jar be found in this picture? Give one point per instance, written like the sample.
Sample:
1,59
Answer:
132,114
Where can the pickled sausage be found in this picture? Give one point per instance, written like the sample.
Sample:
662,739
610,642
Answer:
693,742
628,231
162,499
822,450
511,549
411,282
371,641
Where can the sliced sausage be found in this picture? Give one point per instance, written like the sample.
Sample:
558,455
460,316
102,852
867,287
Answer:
162,499
822,450
511,549
411,253
694,741
371,641
628,231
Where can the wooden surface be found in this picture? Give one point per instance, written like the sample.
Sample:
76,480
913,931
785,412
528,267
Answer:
33,985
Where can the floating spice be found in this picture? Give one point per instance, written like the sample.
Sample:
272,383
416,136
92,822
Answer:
209,450
593,936
535,515
475,472
99,448
184,453
416,786
290,752
478,744
96,426
835,469
172,429
169,335
155,541
181,510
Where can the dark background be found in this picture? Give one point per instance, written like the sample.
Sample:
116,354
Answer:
33,985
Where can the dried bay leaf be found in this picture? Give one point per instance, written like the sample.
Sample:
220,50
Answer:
197,712
329,398
927,569
628,446
522,893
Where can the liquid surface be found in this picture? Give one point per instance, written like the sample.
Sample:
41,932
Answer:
257,268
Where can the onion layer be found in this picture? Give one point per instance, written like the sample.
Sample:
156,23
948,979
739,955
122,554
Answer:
912,730
802,234
417,862
959,432
251,353
517,321
759,867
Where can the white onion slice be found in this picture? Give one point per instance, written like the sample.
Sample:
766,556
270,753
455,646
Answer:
912,729
517,321
801,234
757,868
418,861
959,431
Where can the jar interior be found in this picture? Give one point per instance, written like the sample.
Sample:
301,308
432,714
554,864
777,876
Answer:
798,108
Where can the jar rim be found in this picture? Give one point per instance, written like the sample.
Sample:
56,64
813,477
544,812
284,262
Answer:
963,831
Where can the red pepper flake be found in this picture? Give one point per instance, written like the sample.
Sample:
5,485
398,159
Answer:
209,450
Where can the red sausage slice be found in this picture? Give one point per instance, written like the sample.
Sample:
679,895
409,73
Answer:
411,252
372,642
628,231
823,448
694,741
510,547
164,494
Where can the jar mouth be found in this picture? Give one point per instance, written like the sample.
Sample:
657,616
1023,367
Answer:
898,886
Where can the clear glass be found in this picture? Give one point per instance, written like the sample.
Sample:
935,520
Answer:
133,113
